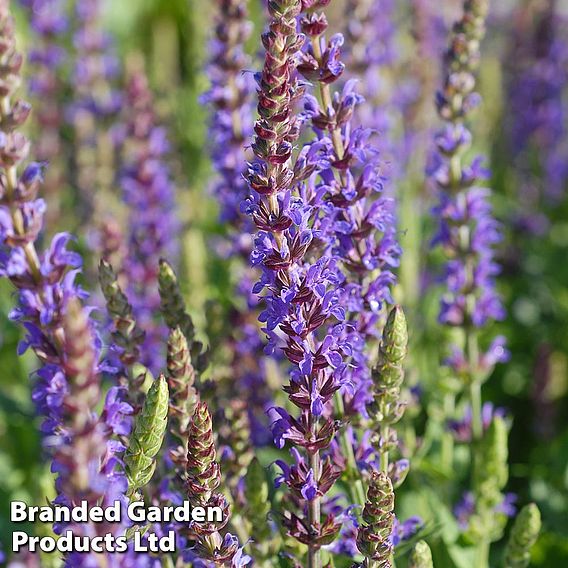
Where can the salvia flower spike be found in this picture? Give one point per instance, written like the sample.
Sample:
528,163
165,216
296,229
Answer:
49,22
301,297
523,536
202,470
181,378
127,335
373,535
201,478
467,231
230,97
359,228
153,225
86,463
147,437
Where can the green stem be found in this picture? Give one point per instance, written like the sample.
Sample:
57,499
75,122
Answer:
447,437
476,408
356,491
481,559
314,553
384,451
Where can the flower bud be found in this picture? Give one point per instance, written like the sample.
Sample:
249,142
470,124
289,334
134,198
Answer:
523,536
421,556
147,437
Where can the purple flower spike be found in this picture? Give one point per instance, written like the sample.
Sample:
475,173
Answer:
230,99
49,23
467,232
152,226
67,386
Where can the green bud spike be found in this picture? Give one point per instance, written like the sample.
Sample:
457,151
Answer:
181,377
421,556
126,334
387,408
172,302
523,536
377,521
174,312
395,336
491,472
389,372
147,437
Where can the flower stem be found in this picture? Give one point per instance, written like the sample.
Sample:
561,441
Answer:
481,559
356,491
314,553
448,438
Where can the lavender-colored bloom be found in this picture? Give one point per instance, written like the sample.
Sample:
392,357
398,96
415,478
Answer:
58,328
152,224
49,23
462,429
508,506
537,88
403,531
359,224
95,103
301,296
465,508
467,232
232,118
231,127
372,53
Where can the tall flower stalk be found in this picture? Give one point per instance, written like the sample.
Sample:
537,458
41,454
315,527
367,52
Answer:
359,227
96,102
152,223
201,478
85,456
467,232
301,298
230,98
49,22
67,388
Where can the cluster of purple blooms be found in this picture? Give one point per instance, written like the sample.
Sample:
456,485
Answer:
537,107
310,221
467,231
49,22
153,226
67,385
230,99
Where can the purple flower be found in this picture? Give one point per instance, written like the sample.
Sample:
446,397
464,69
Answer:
231,127
464,509
467,232
406,530
152,224
537,118
508,505
462,429
67,388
